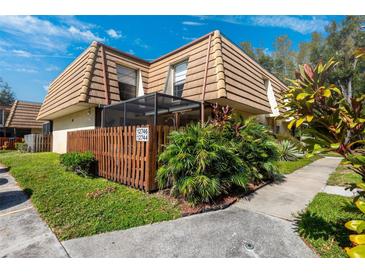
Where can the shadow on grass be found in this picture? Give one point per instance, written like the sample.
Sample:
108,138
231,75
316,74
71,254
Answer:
312,226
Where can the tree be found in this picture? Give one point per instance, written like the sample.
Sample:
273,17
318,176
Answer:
342,41
331,121
284,58
7,96
311,52
248,49
264,59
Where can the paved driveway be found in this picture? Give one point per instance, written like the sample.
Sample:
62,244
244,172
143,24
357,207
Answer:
22,232
228,233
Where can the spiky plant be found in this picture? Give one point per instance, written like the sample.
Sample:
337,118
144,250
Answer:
287,151
256,147
200,164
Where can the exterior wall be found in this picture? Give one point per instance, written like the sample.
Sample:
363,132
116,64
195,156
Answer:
97,94
196,55
77,121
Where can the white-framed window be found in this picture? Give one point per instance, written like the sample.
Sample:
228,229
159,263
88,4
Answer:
179,77
127,82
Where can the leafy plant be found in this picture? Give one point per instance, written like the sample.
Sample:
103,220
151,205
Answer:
288,151
255,145
21,147
332,121
200,164
83,163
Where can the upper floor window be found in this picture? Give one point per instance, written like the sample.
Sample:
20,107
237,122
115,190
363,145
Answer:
127,81
180,70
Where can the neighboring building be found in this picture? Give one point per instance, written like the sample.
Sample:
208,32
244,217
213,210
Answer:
22,119
209,69
4,113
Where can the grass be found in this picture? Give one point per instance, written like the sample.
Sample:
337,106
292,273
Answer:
286,167
322,224
75,206
343,176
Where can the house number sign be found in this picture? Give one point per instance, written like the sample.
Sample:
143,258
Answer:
142,134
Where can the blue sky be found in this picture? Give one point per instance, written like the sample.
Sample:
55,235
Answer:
35,49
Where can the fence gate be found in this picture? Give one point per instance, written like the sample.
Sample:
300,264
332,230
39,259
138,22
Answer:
38,142
126,154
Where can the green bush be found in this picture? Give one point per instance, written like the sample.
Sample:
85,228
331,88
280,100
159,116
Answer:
83,163
21,147
255,145
200,164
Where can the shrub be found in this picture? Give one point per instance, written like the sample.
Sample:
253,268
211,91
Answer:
200,164
83,163
255,145
21,147
288,151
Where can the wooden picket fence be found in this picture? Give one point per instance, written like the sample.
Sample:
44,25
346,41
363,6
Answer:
120,156
38,142
9,142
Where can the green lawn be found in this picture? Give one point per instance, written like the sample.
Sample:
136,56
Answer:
67,201
286,167
343,176
322,224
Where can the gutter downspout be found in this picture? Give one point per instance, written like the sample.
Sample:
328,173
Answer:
202,110
105,74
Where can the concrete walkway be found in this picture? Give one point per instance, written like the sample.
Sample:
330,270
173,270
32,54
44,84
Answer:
259,226
22,232
286,198
339,190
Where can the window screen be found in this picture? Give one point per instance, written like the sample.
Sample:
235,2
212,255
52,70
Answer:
179,78
127,80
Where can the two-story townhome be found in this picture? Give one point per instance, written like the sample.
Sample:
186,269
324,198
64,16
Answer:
210,69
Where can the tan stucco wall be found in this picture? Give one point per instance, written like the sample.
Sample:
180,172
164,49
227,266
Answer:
81,120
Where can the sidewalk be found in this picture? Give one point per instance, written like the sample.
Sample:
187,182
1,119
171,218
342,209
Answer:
22,232
284,199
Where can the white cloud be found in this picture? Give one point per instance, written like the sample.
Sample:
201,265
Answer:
21,53
24,69
45,35
192,23
114,33
45,87
131,51
297,24
138,42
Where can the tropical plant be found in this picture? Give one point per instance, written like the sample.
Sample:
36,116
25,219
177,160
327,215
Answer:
200,164
255,145
287,151
333,121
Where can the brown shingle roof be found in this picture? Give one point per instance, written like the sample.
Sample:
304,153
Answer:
23,115
83,81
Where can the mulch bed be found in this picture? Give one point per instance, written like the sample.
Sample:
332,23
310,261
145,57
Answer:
221,203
